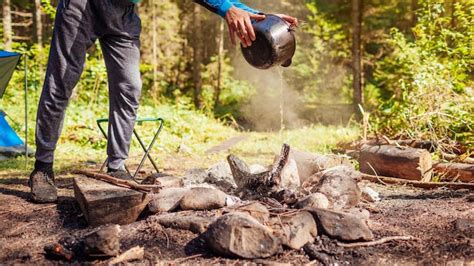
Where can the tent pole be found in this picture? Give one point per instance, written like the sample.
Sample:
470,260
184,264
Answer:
26,112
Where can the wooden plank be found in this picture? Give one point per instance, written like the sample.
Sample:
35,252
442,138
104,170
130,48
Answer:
104,203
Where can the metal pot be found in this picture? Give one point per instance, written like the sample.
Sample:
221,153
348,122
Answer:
275,44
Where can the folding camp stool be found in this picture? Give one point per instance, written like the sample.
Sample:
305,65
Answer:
146,150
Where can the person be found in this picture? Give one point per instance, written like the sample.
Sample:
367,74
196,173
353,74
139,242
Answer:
78,24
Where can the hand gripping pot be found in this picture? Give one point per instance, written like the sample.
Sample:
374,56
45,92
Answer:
275,44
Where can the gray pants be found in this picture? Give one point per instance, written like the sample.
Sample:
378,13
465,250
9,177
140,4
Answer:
78,24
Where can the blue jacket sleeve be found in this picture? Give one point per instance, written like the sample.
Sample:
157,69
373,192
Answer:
221,7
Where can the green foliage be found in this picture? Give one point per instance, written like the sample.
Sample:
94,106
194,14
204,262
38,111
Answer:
426,84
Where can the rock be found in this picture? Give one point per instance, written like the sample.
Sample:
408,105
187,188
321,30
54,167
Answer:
240,235
289,176
184,149
256,210
339,185
370,195
315,200
104,242
296,229
168,199
310,163
257,168
342,226
193,223
232,200
195,176
200,198
103,203
166,181
221,176
362,214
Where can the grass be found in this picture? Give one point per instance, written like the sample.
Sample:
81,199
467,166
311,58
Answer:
82,145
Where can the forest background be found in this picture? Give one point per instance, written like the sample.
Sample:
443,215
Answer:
401,69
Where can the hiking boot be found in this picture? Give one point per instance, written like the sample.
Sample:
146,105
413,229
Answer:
120,174
43,188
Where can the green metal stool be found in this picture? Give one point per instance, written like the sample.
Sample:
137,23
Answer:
146,150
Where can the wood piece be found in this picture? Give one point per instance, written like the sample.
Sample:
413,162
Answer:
461,171
407,163
119,182
375,242
135,253
58,252
457,158
104,203
162,180
418,184
261,183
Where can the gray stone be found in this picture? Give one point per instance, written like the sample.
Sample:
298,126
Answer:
360,213
289,176
220,175
184,149
315,200
103,242
342,226
166,200
240,235
295,229
200,198
257,168
311,163
339,185
369,194
195,176
193,223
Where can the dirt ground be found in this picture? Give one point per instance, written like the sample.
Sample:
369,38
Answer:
428,215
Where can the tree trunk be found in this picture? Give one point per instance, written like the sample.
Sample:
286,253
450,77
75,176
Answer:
197,57
38,23
357,54
220,58
154,50
7,25
414,8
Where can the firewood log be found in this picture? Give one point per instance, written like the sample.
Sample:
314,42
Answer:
401,162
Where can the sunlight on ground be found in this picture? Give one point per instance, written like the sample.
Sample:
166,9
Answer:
258,147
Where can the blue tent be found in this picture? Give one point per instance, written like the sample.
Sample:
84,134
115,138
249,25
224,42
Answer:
10,142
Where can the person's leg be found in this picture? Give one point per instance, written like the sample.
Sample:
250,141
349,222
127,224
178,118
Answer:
71,37
121,48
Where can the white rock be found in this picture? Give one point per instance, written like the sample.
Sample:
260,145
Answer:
289,176
257,168
370,195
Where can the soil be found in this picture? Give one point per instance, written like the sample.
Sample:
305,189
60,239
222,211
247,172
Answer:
428,215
